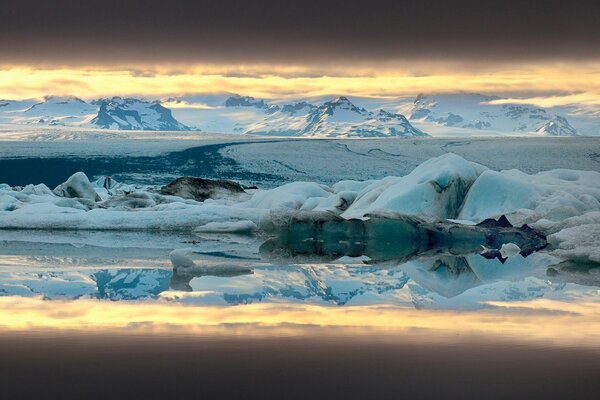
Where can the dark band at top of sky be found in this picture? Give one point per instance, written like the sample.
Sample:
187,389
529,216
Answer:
302,31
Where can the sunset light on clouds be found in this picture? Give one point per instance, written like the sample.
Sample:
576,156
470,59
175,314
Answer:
543,85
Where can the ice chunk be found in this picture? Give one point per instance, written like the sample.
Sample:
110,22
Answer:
552,195
578,243
435,188
180,258
39,190
77,186
291,196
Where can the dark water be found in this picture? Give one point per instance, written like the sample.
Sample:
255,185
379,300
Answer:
204,161
267,163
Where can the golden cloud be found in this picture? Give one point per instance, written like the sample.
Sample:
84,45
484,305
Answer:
386,80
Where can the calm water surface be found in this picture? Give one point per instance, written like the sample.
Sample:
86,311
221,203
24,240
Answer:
106,315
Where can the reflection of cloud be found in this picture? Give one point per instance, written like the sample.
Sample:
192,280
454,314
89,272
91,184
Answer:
553,321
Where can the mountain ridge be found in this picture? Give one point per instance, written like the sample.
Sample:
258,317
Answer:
334,117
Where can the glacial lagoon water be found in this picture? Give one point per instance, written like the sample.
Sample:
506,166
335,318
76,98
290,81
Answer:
87,314
111,304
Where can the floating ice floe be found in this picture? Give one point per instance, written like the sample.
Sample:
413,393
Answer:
77,186
564,204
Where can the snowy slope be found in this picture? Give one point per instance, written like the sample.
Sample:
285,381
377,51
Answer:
479,112
50,110
134,114
217,113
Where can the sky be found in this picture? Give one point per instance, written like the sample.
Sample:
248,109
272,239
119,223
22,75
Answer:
548,51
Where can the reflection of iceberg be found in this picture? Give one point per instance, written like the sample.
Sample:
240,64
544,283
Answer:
448,276
181,278
430,281
185,269
389,271
581,274
391,237
510,269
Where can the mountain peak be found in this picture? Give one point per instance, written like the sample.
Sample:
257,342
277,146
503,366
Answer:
557,126
135,114
340,103
342,99
244,101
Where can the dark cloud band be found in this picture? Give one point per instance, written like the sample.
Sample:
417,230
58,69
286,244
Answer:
304,31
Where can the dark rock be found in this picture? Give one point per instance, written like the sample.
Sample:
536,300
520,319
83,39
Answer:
201,189
502,222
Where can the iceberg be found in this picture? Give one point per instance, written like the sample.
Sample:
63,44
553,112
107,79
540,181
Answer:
77,186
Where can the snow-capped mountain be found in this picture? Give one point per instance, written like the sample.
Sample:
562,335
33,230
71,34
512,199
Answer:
336,118
245,114
479,112
50,110
135,114
557,126
115,113
441,114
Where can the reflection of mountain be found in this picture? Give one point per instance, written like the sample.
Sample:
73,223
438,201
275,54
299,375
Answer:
110,284
433,281
130,284
335,284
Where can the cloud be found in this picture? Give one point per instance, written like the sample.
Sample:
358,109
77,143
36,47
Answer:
541,84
